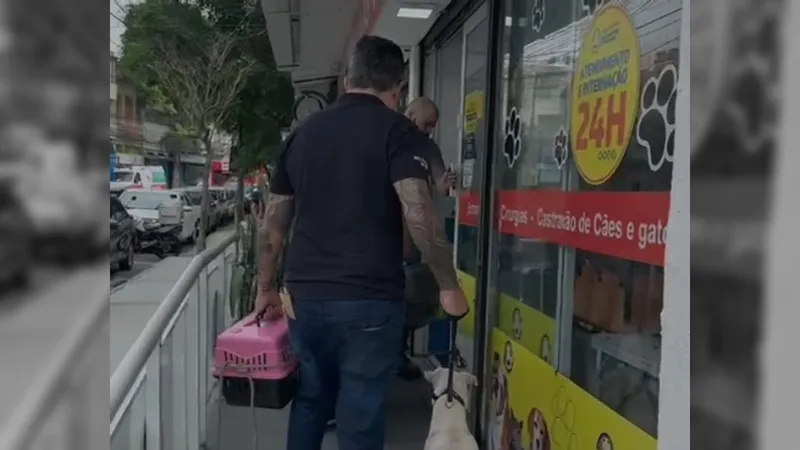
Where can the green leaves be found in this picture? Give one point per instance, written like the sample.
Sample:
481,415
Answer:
209,63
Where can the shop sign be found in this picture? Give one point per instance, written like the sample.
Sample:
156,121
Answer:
127,159
473,111
605,94
626,225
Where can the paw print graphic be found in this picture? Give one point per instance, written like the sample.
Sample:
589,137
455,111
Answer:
537,15
512,145
560,149
564,436
655,130
516,324
508,357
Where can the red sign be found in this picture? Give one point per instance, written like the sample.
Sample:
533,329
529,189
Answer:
627,225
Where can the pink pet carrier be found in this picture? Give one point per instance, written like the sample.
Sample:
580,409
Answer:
256,355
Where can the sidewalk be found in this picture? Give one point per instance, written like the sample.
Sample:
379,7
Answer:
408,414
33,323
134,303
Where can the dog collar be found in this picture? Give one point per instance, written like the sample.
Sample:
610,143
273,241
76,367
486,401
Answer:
456,397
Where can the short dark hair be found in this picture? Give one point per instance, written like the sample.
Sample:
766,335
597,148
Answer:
376,63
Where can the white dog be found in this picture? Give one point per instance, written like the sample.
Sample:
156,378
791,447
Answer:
449,429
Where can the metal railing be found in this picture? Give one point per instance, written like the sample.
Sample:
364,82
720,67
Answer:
161,389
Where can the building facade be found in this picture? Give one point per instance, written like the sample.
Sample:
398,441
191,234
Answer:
563,120
561,222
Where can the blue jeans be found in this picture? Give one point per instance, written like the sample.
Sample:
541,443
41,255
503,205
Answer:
348,355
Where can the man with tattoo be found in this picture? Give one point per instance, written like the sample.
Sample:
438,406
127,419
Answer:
347,180
425,114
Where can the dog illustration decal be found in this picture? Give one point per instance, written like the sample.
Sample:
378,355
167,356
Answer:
514,433
501,412
545,352
516,324
511,438
537,428
604,442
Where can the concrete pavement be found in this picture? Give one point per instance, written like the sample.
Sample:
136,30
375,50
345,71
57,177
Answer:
33,322
136,300
408,414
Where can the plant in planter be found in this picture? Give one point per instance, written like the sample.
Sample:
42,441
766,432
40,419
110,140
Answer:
244,280
245,271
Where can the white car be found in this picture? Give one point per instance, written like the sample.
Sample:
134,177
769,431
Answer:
228,197
195,198
143,204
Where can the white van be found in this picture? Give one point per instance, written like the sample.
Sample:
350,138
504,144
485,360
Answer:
141,177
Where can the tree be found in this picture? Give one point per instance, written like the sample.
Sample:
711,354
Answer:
264,106
187,66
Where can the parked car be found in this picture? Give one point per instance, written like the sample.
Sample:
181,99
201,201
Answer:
227,198
195,196
63,208
123,236
218,207
145,205
16,238
116,190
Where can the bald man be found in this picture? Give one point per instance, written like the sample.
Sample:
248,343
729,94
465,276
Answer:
424,113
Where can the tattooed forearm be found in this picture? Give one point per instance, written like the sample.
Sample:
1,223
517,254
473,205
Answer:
427,230
271,235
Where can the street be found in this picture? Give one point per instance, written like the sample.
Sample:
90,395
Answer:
143,262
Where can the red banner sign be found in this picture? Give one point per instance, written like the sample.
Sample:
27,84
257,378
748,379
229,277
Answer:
627,225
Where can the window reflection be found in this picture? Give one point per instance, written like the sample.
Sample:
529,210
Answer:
605,297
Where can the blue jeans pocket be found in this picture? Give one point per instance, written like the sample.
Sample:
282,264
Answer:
373,335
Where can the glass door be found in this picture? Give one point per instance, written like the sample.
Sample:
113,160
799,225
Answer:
471,151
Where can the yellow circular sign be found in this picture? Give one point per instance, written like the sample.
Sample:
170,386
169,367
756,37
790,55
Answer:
605,94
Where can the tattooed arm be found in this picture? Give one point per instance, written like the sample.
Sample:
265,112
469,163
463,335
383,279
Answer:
426,229
278,213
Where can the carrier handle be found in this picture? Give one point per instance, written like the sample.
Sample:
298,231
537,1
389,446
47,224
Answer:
259,318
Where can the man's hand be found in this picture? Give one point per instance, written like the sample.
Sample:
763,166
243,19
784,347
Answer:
268,305
449,179
454,303
446,181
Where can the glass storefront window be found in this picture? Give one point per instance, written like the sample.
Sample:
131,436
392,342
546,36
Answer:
582,175
429,75
472,152
448,96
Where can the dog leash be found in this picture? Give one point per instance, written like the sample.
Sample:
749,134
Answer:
454,360
451,363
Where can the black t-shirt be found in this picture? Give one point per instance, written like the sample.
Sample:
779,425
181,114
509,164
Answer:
340,166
